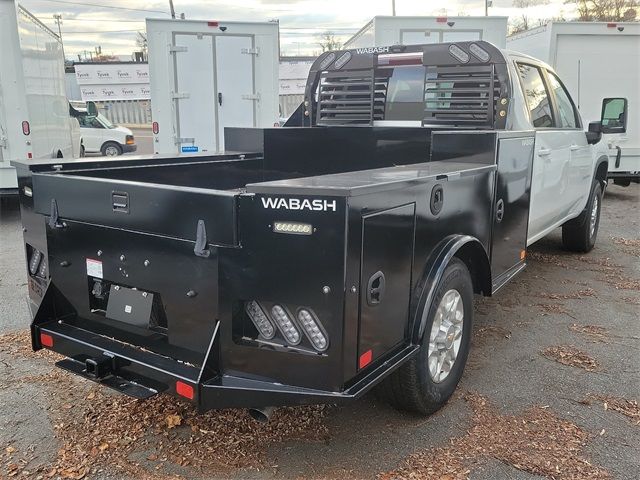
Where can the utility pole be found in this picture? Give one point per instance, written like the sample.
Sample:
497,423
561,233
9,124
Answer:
58,18
487,4
393,7
173,10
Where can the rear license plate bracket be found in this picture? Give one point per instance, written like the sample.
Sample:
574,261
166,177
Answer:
130,306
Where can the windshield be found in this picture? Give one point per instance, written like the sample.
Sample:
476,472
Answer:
105,121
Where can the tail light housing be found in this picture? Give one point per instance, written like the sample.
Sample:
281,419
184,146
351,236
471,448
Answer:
155,128
26,128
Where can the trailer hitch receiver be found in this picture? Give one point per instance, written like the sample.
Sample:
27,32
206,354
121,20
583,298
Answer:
98,368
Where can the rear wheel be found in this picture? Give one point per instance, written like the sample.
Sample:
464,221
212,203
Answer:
425,383
580,234
111,149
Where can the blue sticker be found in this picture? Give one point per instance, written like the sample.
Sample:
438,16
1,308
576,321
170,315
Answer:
189,149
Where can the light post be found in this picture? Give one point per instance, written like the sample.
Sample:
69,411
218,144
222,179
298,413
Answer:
58,18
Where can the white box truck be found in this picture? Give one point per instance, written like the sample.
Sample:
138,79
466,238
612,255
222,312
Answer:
384,31
35,121
208,75
596,60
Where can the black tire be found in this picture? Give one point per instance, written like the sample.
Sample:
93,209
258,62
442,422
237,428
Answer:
109,145
622,182
411,387
82,151
578,234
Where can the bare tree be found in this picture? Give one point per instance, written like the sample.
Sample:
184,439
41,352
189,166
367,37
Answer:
606,10
328,42
524,21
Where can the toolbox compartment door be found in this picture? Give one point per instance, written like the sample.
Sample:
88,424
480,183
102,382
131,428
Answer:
385,281
165,210
511,207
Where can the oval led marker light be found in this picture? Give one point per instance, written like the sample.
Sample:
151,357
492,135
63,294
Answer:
155,128
295,228
260,319
478,52
313,329
459,54
285,324
26,128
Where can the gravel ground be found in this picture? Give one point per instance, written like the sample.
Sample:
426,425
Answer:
550,390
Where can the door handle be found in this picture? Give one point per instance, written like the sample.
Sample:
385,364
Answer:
543,152
220,98
573,148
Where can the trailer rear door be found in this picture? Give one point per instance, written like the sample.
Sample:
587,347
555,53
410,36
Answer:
195,94
235,83
214,89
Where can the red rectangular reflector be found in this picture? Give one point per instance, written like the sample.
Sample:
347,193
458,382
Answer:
441,19
184,390
46,340
612,25
212,24
365,359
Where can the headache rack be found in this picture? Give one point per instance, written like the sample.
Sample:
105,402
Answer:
351,98
461,95
465,86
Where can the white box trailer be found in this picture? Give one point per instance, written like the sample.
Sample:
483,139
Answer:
383,31
206,76
596,60
34,112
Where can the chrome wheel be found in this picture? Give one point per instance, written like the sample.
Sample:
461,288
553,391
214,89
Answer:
594,216
111,151
446,336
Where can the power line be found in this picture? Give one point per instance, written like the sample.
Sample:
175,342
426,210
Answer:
106,6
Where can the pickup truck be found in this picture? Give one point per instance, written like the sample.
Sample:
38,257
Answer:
310,263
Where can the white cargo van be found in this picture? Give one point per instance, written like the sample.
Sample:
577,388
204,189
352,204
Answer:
384,31
35,120
596,60
99,135
209,75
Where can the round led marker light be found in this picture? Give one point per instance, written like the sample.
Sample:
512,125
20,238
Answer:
260,319
295,228
312,328
285,324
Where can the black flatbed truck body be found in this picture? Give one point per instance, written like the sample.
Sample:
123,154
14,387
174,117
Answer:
197,236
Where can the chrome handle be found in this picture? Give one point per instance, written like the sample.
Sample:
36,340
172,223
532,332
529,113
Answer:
543,152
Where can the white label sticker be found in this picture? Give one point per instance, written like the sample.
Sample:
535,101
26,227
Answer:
127,309
94,268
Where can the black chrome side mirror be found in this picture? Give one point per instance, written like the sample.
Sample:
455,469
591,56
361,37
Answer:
594,134
614,115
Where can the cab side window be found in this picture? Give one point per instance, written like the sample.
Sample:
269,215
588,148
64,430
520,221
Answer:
566,110
536,95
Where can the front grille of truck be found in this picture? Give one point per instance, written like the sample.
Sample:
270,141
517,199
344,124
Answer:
461,95
353,98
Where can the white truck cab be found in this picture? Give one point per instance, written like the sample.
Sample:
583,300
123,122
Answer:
100,135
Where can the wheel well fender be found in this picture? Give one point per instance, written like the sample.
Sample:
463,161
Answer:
602,168
464,247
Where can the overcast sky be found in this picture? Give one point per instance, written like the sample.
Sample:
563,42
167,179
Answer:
87,24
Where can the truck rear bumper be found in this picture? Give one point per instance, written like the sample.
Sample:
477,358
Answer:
141,374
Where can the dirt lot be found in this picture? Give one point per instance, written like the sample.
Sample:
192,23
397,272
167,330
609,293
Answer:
551,390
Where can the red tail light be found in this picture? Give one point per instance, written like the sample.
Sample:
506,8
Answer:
441,19
184,390
46,340
155,128
26,128
213,24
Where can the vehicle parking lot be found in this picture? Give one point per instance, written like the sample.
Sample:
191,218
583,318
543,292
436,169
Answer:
550,390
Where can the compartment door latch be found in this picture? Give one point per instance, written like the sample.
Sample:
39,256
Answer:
375,288
200,248
54,219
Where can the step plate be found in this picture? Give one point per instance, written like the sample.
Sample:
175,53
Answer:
131,389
